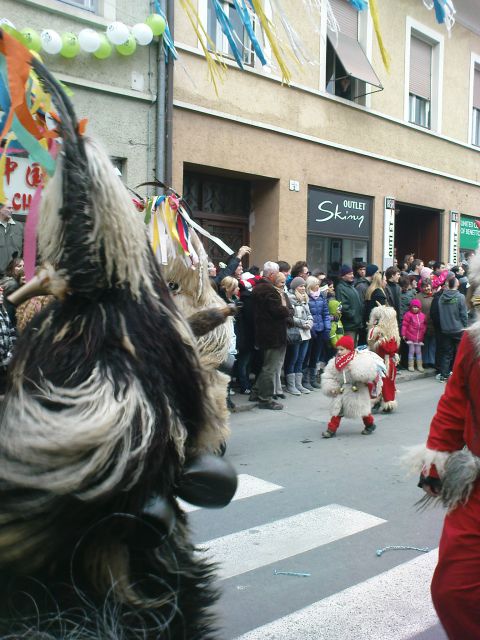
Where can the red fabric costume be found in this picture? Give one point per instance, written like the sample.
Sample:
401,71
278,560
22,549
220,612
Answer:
389,349
456,581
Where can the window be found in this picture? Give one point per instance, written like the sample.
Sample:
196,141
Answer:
423,76
220,40
120,165
89,5
348,70
476,107
420,89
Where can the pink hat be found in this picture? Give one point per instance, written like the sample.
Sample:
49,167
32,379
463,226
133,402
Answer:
425,273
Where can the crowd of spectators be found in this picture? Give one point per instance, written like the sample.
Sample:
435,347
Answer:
290,317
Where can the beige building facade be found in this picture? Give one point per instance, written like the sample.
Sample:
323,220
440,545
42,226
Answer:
309,171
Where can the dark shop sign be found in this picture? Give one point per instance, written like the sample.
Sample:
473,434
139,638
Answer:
339,214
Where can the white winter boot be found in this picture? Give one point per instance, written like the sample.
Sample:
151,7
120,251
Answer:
291,388
298,383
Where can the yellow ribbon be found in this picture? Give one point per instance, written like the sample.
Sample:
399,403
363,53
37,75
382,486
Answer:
376,26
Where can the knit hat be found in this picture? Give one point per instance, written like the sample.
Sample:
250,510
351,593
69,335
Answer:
345,269
415,303
425,273
296,282
371,269
346,342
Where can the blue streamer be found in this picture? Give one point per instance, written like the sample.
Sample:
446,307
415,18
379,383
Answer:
168,44
359,5
228,30
439,10
242,11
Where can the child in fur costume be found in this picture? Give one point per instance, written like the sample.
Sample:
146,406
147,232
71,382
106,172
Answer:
414,327
345,380
384,340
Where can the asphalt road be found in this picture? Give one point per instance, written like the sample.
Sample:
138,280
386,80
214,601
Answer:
324,507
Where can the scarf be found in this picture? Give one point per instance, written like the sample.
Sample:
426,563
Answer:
342,361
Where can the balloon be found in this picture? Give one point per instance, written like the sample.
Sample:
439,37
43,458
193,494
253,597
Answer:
70,45
89,40
128,47
104,50
6,21
117,33
31,39
156,23
51,41
143,34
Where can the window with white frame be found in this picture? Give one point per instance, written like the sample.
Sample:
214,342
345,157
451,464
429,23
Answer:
89,5
220,40
476,107
424,50
420,83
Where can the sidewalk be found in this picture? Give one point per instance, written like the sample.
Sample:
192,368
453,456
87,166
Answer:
242,402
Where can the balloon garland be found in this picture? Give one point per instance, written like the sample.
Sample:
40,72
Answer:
100,45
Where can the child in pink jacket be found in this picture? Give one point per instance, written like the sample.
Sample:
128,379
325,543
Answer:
414,326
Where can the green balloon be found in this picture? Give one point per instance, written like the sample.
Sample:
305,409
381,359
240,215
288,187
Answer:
104,50
31,39
13,32
128,47
70,45
156,23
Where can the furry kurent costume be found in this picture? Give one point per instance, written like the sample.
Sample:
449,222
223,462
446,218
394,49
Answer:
450,472
384,340
105,421
345,381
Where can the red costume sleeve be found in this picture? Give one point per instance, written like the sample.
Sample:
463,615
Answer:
447,427
390,346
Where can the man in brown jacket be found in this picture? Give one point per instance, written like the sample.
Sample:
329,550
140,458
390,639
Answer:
271,312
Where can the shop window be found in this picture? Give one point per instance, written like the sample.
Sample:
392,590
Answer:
423,76
476,108
220,40
349,73
88,5
420,90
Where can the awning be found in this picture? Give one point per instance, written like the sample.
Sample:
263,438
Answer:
354,59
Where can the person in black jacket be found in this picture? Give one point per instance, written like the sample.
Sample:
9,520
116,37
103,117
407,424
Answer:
233,268
375,295
393,291
271,312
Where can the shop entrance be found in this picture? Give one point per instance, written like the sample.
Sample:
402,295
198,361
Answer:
417,230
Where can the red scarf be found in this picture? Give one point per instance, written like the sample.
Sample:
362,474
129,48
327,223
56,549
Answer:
342,361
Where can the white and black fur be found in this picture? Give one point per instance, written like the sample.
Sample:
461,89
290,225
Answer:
106,400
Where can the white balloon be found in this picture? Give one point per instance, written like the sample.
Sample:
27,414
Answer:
117,33
142,33
7,22
51,41
89,40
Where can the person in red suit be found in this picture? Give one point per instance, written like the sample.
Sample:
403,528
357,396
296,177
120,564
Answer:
384,340
450,468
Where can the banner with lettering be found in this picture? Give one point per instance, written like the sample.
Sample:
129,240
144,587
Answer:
469,233
334,213
22,177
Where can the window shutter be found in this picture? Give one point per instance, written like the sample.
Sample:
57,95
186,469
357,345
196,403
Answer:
347,17
420,68
476,89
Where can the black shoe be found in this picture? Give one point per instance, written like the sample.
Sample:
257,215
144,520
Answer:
369,429
328,434
270,404
280,395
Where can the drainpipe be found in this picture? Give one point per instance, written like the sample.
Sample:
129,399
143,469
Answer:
169,100
164,112
160,110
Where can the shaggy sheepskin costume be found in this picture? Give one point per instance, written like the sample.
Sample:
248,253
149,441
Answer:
193,294
384,340
450,468
107,411
348,388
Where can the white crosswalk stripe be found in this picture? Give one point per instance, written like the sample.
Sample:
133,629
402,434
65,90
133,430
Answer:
393,604
248,487
256,547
